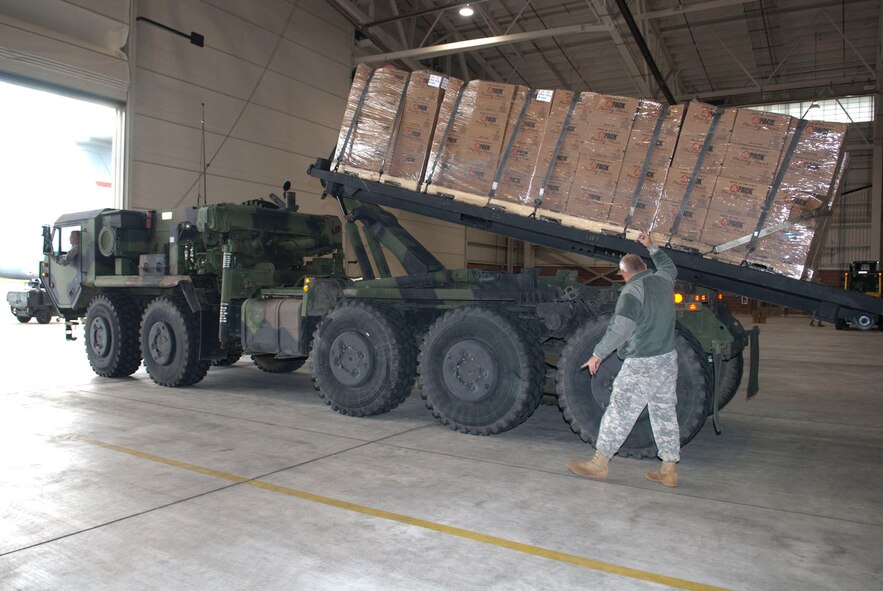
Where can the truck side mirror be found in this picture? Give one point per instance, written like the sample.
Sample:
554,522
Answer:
47,240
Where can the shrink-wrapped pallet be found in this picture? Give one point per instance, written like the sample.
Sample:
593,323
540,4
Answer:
560,150
741,189
648,154
365,140
470,141
808,167
521,146
417,118
696,164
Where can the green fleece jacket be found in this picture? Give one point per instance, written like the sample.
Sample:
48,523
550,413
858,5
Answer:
643,324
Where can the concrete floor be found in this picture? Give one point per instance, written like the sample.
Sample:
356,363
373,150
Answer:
121,484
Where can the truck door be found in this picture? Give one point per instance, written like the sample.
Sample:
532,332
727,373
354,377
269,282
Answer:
65,264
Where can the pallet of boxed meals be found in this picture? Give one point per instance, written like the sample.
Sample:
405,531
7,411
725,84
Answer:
739,185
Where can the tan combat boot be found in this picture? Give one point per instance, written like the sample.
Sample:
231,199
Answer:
667,475
595,468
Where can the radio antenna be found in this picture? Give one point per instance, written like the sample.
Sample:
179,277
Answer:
204,166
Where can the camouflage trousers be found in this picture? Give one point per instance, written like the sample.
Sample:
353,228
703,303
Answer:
650,382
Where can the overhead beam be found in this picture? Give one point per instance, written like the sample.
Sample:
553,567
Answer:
599,8
645,51
473,44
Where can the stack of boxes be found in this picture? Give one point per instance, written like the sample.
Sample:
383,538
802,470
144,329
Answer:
517,183
365,142
414,133
805,187
604,121
748,169
693,155
467,162
651,144
695,175
560,150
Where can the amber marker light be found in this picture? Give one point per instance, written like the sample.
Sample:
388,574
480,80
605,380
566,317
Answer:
679,298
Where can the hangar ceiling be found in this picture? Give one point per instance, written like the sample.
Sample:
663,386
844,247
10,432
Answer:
721,51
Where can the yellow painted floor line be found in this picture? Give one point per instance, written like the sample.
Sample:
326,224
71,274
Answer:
417,522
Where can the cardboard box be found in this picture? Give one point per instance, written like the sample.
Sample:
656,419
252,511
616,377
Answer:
554,194
678,180
760,129
751,163
414,134
643,215
734,195
588,204
612,112
691,223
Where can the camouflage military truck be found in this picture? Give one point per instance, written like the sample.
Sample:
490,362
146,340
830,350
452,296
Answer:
185,288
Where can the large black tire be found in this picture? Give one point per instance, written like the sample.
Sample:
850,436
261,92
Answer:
170,343
480,372
583,399
270,364
43,316
363,359
23,319
111,335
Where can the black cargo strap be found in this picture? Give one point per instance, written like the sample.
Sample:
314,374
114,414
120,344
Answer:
777,181
390,144
652,148
558,145
709,137
444,138
356,114
511,144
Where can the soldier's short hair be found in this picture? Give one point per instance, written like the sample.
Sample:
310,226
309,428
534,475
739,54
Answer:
632,263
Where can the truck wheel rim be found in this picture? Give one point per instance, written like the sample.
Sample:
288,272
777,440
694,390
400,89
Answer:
161,343
352,358
470,370
99,337
864,321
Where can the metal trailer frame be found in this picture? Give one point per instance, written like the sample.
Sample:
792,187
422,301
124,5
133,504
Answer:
826,303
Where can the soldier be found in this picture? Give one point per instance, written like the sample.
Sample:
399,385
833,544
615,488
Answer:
642,330
74,253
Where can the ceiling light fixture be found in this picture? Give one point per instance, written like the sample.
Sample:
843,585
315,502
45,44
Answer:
466,10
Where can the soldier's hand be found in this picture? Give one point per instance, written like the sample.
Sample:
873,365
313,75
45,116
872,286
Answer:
593,364
644,238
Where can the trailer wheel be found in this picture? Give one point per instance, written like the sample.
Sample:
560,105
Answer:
270,364
43,316
363,359
840,324
864,321
170,343
111,335
479,372
583,399
23,319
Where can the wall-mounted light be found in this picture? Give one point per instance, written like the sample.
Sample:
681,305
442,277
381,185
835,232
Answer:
466,10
